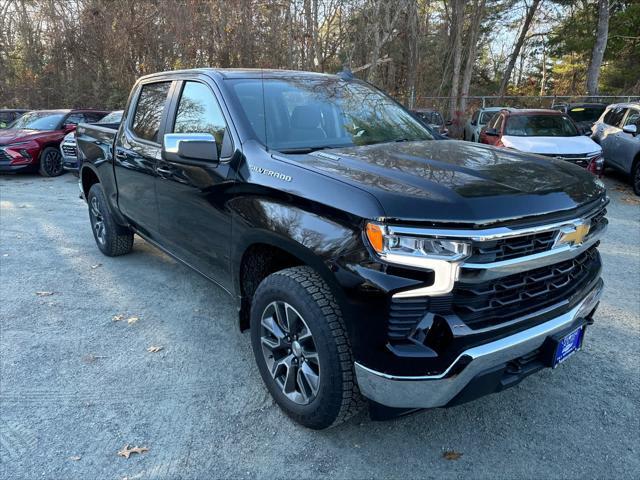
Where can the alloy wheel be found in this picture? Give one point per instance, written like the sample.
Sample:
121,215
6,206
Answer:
52,162
97,221
290,352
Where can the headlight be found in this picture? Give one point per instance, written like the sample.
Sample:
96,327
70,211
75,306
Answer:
389,246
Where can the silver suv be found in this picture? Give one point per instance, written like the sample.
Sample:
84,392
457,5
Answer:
618,132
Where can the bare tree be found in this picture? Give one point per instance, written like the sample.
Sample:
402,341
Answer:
472,47
457,20
531,11
597,54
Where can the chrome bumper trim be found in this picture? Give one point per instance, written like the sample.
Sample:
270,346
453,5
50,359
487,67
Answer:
431,391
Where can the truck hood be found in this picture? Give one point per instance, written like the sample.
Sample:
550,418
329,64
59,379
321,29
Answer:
14,136
455,181
552,145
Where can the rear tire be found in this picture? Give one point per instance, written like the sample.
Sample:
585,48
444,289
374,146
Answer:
635,177
302,349
112,239
51,162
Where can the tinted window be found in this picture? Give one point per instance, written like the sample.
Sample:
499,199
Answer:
540,126
93,117
633,118
494,120
199,112
151,102
486,116
75,118
585,114
614,116
308,113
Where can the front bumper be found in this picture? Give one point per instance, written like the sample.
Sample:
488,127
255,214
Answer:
429,391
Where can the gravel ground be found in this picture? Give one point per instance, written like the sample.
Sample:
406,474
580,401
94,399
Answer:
76,386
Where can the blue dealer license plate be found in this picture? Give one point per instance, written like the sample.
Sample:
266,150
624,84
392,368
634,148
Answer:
568,345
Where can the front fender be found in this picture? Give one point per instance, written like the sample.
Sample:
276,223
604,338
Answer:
318,240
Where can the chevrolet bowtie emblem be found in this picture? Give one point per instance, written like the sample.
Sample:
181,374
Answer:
573,235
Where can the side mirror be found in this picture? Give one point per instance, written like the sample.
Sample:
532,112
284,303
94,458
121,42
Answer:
474,123
190,148
632,129
492,132
448,123
69,127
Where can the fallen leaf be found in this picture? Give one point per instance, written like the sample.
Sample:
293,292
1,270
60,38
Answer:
90,358
44,294
75,458
451,455
126,451
117,318
154,348
93,267
131,320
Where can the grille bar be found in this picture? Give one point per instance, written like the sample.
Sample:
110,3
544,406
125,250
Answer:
498,301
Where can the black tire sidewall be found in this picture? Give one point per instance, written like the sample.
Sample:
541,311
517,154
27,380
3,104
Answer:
42,169
325,407
112,229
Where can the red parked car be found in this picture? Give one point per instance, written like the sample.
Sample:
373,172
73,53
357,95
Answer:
544,132
31,143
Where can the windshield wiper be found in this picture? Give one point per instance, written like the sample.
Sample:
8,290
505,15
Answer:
309,149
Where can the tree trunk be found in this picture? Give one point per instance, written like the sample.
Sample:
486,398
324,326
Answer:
598,48
472,48
412,45
516,50
457,20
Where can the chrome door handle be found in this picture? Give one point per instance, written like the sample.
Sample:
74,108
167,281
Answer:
163,170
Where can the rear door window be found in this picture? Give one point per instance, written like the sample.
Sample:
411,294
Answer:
148,115
614,116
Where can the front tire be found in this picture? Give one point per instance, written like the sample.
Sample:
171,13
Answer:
112,239
51,162
302,349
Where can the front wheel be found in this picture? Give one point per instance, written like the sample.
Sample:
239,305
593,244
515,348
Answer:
112,239
302,349
51,162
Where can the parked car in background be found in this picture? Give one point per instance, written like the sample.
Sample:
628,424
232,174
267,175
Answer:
9,115
433,119
545,132
68,147
31,143
479,119
584,115
618,133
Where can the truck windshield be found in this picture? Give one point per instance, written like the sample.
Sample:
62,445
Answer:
540,126
298,114
38,121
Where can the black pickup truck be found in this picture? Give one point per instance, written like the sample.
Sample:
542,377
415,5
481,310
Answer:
370,263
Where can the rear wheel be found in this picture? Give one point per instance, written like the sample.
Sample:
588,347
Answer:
635,177
302,349
51,162
112,239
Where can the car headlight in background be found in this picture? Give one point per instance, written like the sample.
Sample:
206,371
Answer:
442,256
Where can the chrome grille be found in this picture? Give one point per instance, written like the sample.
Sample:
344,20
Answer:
69,150
514,247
